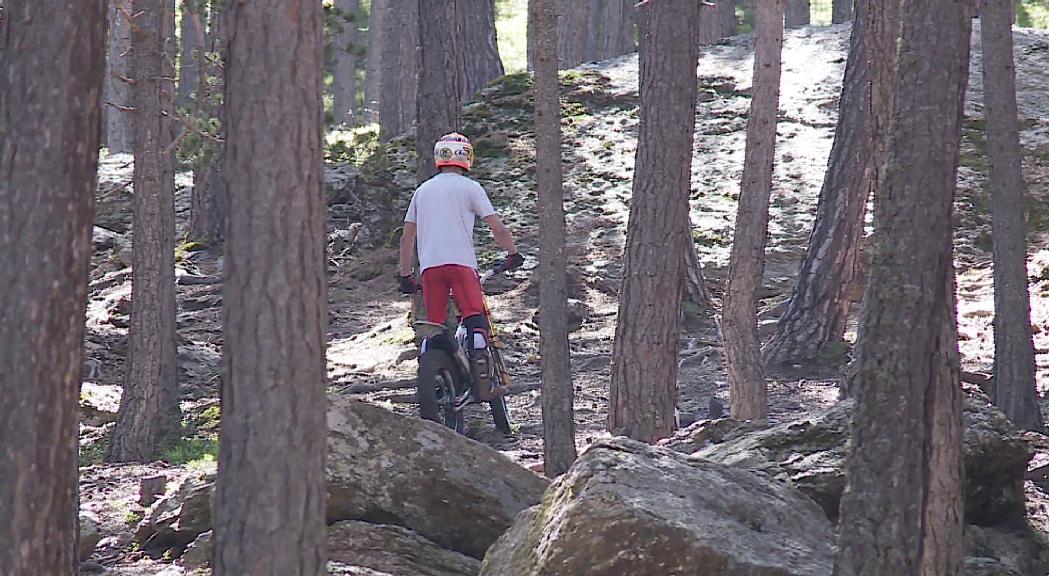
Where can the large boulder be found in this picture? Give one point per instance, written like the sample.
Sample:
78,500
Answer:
389,469
810,453
393,551
176,520
89,536
629,508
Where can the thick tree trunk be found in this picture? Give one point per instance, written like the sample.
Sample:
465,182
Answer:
373,59
727,14
480,62
117,95
47,188
643,394
841,10
149,415
345,77
209,207
799,13
1014,369
190,41
438,95
902,510
273,390
746,375
558,424
819,306
594,31
398,87
617,32
573,21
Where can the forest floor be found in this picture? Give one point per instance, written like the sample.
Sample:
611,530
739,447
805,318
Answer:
371,353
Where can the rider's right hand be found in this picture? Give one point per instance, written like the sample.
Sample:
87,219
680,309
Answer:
409,285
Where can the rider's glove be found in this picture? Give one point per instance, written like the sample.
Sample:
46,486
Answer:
513,261
409,285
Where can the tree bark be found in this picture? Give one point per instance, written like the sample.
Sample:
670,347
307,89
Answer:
573,20
190,41
273,390
695,284
727,13
373,60
902,509
117,96
819,306
480,55
398,88
1014,368
149,416
643,394
594,41
746,376
209,208
841,11
345,77
558,424
438,95
798,13
617,33
47,188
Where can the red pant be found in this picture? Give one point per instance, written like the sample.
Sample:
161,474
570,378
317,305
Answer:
464,285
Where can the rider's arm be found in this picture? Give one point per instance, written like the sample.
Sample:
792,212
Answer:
501,233
407,247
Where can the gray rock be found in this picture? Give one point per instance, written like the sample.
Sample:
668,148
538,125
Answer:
390,469
198,554
89,535
997,552
99,403
630,508
394,551
178,519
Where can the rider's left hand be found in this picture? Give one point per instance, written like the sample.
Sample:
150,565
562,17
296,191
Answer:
512,262
408,285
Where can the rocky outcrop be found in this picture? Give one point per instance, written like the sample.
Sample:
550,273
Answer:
393,551
631,508
389,469
198,553
177,519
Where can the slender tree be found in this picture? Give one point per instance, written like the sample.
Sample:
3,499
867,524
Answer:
902,509
270,495
818,309
1014,371
398,87
480,55
209,205
149,414
373,61
50,102
841,11
438,96
718,21
798,13
345,77
643,394
746,375
118,77
191,40
558,424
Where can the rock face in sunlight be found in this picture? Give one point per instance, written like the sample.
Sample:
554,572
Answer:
630,508
389,469
176,520
392,551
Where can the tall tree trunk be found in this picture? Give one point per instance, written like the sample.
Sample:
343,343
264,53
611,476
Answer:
117,89
398,87
480,62
617,33
190,41
643,394
558,424
573,21
819,306
373,60
1014,371
594,38
345,76
438,95
841,11
709,24
209,206
902,510
746,375
149,415
727,14
273,392
798,13
47,190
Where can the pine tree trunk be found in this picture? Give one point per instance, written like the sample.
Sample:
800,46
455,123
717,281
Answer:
746,375
709,25
643,394
209,208
149,415
902,510
480,55
438,96
273,390
373,62
799,13
841,11
345,77
819,306
573,21
117,96
617,28
1014,368
189,42
558,424
46,215
594,39
727,14
400,69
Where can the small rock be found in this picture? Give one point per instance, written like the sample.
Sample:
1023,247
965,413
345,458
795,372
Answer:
198,553
394,551
150,488
89,535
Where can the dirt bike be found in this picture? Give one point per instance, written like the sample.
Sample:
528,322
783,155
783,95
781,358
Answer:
446,384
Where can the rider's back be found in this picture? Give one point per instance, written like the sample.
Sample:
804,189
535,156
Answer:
445,208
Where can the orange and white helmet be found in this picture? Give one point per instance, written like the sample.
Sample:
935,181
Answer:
453,150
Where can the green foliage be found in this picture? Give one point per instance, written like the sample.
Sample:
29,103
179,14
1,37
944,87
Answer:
193,451
91,454
352,146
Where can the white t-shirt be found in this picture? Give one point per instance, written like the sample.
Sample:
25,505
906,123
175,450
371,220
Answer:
444,208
